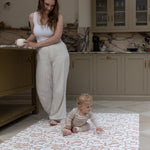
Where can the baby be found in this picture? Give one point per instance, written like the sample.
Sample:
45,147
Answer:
76,120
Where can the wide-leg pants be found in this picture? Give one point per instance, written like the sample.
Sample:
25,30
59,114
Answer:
51,79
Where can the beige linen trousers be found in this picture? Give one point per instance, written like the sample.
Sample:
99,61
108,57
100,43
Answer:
51,78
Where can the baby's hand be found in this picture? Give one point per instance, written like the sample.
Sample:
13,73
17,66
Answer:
68,127
100,131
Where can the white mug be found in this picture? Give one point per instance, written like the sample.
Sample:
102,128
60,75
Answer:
20,42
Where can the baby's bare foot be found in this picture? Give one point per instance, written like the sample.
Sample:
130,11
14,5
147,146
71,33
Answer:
66,132
53,122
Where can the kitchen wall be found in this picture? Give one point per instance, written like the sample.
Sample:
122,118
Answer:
15,13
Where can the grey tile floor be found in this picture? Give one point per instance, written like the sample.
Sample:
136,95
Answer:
141,107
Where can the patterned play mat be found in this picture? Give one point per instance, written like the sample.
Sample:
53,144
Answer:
121,133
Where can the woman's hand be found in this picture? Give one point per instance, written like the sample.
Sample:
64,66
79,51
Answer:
30,44
16,42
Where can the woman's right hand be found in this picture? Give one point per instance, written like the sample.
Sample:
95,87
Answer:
16,42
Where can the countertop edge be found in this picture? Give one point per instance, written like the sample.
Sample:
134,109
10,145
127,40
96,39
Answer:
92,52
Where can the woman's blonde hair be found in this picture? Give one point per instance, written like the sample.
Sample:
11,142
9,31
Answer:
52,16
82,98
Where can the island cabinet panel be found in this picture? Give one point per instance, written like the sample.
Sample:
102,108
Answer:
17,74
16,70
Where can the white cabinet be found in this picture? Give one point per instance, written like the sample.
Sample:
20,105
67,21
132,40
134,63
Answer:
80,74
107,74
120,15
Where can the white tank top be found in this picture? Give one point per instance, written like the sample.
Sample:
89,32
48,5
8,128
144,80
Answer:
41,32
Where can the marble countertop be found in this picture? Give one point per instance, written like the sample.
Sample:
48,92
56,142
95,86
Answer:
14,47
75,52
109,52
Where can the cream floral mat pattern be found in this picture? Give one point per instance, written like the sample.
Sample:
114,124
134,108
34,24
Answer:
121,133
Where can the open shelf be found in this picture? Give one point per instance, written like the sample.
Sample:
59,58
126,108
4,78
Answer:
11,112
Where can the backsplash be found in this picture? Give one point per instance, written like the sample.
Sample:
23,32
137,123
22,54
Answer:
117,42
8,36
121,41
81,39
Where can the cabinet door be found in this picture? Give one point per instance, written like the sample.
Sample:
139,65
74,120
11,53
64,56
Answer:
107,74
148,74
135,73
79,79
17,70
100,14
110,15
140,15
119,15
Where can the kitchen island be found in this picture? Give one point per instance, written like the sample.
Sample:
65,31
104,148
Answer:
17,74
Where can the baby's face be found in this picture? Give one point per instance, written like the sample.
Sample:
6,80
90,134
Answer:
86,107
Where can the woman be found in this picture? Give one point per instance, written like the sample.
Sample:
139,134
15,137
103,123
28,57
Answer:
52,58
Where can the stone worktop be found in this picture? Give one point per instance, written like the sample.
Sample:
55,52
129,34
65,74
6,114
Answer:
75,52
110,52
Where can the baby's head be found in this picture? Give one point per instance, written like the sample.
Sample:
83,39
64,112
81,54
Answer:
85,103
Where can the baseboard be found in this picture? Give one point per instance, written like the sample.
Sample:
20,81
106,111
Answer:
115,97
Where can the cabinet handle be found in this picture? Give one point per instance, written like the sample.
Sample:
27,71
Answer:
108,57
108,18
72,64
29,59
111,18
145,63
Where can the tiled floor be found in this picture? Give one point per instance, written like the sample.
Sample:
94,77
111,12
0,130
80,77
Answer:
141,107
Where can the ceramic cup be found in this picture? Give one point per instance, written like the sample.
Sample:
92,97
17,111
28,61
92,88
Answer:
20,42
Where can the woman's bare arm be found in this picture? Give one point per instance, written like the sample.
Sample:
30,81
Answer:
31,38
51,40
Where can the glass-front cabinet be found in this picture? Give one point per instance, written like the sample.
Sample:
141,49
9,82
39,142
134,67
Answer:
110,15
141,12
101,13
141,15
120,15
